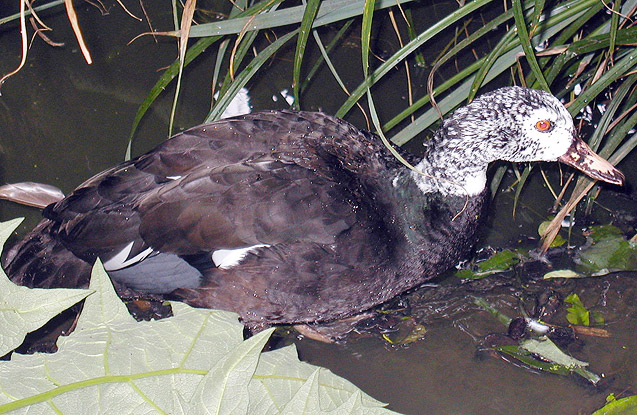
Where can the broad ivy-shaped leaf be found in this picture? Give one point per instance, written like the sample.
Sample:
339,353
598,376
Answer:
193,362
23,310
499,262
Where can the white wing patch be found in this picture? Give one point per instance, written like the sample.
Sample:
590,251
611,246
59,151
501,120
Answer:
121,260
228,258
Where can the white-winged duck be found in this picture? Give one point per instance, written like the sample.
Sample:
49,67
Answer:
294,217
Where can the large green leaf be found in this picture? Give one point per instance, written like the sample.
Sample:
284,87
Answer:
193,362
23,310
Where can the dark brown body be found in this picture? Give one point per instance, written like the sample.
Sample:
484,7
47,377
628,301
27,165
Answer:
346,225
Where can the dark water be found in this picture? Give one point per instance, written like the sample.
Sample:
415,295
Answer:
62,121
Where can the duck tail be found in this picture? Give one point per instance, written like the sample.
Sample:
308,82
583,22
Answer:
42,261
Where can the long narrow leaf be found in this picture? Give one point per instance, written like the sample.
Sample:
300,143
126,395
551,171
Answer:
28,12
525,41
585,46
492,25
165,79
488,61
366,31
626,64
618,135
223,46
304,33
242,79
572,11
186,22
324,58
596,138
626,148
330,11
403,52
518,189
614,23
198,48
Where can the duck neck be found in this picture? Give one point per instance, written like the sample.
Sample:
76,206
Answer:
451,166
431,231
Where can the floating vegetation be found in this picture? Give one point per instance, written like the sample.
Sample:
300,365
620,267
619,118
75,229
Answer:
622,406
537,352
605,251
499,262
578,314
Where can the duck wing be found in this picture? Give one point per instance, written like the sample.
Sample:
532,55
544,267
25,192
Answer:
244,204
262,179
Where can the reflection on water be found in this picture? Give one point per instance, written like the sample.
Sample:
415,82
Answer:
63,121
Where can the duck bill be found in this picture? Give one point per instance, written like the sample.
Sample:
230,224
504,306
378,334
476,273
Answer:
583,158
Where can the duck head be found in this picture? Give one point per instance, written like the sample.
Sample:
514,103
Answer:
512,124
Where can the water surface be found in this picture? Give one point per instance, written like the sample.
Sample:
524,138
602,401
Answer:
63,121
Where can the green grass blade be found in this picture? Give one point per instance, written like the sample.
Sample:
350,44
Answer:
246,40
365,37
568,13
242,49
537,14
219,61
614,23
311,9
330,11
518,189
186,21
198,48
617,136
570,31
525,41
492,25
28,12
405,51
223,46
627,147
366,31
496,180
247,74
564,15
624,65
165,79
325,58
612,107
420,59
488,61
383,138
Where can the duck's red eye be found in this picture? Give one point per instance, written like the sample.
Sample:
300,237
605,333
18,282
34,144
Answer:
543,125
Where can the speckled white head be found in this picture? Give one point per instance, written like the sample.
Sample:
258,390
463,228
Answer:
547,131
512,124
